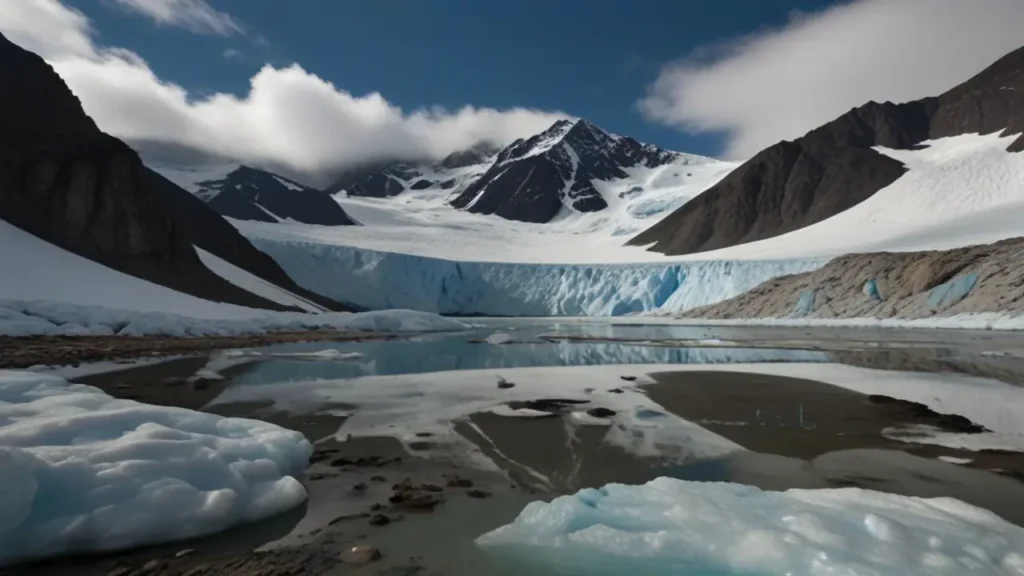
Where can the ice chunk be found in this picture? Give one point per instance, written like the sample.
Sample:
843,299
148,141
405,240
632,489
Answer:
949,293
670,526
82,471
804,304
498,338
871,290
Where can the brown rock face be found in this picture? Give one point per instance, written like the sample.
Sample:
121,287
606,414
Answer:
791,185
65,181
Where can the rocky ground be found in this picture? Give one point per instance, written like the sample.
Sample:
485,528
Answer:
975,279
22,352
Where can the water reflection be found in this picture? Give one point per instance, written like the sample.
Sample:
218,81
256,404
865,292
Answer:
459,352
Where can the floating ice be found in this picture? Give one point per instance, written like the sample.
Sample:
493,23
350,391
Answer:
670,526
84,472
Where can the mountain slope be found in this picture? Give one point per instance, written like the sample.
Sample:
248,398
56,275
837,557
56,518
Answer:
791,185
568,167
532,180
68,183
245,193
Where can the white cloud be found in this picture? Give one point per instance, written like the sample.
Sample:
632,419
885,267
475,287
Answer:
288,117
194,15
780,84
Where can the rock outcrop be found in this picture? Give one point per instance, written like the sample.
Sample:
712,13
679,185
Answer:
65,181
975,279
791,185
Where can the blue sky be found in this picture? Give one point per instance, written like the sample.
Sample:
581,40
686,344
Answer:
590,58
313,86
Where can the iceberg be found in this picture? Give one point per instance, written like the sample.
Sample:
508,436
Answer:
83,471
670,526
377,280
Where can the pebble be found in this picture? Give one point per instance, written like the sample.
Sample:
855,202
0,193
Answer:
380,520
360,555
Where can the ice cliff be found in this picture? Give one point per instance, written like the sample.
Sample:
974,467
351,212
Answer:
379,280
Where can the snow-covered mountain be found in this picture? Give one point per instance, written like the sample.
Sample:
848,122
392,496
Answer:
572,167
243,193
533,180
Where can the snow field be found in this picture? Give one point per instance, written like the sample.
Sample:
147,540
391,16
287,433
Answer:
83,471
670,526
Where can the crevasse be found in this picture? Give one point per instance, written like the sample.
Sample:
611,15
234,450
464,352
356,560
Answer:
376,280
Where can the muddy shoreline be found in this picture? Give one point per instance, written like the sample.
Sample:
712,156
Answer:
26,351
422,514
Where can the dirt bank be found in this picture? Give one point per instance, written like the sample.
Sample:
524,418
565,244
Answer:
22,352
975,279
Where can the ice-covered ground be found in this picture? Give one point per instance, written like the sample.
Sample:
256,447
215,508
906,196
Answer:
50,318
670,526
83,471
414,251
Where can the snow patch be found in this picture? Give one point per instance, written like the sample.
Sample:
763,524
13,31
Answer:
86,472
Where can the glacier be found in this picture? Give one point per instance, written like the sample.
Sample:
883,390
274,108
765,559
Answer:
377,280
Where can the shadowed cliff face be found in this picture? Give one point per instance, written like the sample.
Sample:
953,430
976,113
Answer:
65,181
791,185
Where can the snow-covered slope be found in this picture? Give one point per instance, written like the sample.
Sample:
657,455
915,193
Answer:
47,290
419,222
958,191
252,283
572,167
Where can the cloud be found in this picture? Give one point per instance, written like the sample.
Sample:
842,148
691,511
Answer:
232,54
194,15
782,83
288,117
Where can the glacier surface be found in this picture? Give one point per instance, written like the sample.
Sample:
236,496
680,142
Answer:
377,280
670,526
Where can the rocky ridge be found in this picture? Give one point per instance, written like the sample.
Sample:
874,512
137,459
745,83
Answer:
64,180
791,185
904,285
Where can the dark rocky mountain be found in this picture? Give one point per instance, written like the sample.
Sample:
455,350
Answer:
246,193
67,182
791,185
531,180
